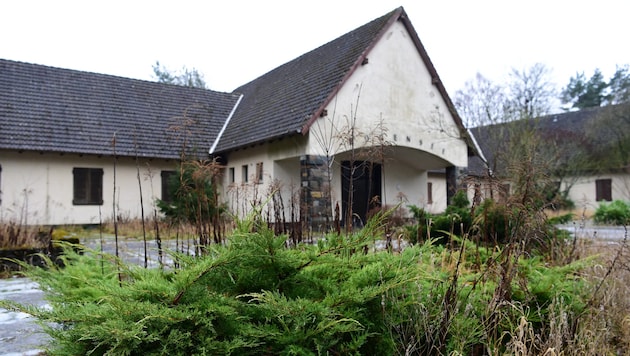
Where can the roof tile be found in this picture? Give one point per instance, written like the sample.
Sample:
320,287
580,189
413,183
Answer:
280,102
52,109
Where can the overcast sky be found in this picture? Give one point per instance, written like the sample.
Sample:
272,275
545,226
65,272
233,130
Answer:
232,42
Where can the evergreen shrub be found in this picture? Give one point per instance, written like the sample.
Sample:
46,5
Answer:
616,213
256,296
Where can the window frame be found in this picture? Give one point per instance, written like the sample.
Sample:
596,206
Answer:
244,173
87,186
232,175
258,179
603,190
165,194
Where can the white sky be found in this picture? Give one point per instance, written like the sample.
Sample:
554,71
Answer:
232,42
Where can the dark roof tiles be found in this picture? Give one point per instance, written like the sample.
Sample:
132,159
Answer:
51,109
574,127
280,102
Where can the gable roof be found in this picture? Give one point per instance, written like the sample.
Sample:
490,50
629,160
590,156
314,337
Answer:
51,109
582,129
286,100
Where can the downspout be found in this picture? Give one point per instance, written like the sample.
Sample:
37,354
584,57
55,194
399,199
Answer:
225,124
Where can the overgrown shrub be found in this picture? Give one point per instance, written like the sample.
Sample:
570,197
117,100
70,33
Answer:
616,213
493,222
195,200
255,296
455,220
193,195
252,296
18,236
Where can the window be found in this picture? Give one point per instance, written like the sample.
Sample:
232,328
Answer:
603,190
259,173
429,193
244,174
87,186
168,185
231,177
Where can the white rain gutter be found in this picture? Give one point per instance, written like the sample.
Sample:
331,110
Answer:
478,148
227,121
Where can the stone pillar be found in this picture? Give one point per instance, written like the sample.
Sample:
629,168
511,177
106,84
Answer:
315,201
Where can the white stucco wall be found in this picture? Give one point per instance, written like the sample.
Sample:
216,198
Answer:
395,88
281,171
393,95
401,183
583,190
38,188
393,91
438,182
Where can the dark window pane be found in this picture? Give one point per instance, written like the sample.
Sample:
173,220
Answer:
259,173
603,190
96,186
168,186
232,175
87,186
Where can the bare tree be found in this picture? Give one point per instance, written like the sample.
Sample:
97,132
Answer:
348,136
481,102
531,92
325,133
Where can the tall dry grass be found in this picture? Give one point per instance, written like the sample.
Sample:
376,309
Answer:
15,236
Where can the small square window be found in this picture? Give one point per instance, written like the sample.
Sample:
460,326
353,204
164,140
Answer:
87,186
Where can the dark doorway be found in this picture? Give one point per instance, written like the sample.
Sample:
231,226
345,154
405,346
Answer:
364,178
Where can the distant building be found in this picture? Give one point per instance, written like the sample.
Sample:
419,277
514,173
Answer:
587,152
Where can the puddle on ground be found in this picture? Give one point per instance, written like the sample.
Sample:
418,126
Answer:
19,332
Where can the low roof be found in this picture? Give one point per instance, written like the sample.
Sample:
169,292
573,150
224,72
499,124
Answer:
49,109
584,129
